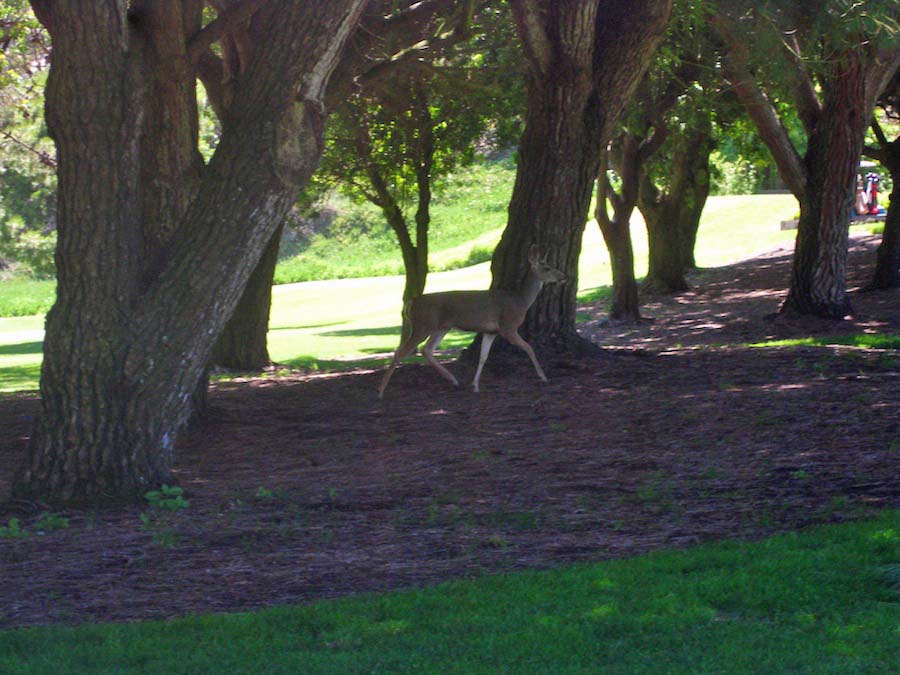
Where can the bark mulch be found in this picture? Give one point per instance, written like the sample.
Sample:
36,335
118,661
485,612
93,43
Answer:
307,487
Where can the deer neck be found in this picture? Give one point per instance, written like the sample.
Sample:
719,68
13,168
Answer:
530,289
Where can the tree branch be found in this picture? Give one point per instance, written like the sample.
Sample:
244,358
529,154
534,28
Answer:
879,132
42,156
760,109
427,46
809,107
213,32
538,47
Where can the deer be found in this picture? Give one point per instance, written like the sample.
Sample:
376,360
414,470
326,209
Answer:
491,313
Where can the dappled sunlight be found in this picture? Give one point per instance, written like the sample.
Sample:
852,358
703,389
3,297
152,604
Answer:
738,304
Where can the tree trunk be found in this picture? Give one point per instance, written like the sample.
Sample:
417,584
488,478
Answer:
616,231
243,344
818,275
887,264
131,334
584,62
673,217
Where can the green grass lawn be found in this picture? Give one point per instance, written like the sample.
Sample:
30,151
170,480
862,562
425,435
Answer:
822,601
324,323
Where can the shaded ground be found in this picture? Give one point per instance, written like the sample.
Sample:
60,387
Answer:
308,487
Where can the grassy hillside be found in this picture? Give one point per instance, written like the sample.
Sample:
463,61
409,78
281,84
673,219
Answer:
468,214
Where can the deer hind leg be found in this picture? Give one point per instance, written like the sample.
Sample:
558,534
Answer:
487,339
428,353
518,341
406,348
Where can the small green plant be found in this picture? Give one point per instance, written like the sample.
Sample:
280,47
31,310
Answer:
800,474
14,530
165,504
264,493
167,498
47,522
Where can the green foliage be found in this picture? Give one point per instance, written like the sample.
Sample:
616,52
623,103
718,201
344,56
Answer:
165,504
48,522
45,522
399,136
167,498
732,177
824,600
13,530
25,297
468,213
30,248
27,165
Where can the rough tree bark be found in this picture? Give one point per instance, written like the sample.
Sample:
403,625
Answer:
584,60
138,308
818,272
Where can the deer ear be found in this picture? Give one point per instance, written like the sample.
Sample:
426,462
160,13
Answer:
534,253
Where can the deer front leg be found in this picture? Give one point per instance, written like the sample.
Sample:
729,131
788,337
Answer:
516,339
487,339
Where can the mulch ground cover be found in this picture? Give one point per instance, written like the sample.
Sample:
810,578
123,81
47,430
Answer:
306,486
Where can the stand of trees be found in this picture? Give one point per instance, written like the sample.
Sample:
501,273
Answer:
156,246
831,61
159,248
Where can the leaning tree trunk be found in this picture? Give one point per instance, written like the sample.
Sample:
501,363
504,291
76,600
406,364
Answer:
243,344
818,275
130,334
584,62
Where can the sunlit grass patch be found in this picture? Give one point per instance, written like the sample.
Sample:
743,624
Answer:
826,600
862,340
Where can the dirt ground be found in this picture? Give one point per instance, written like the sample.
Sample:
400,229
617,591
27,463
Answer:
307,487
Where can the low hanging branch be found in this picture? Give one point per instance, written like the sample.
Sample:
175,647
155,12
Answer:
44,157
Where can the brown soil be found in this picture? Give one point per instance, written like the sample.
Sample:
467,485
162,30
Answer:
307,487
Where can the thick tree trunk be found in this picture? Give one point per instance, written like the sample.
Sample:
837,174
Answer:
673,217
243,344
130,335
818,275
584,62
